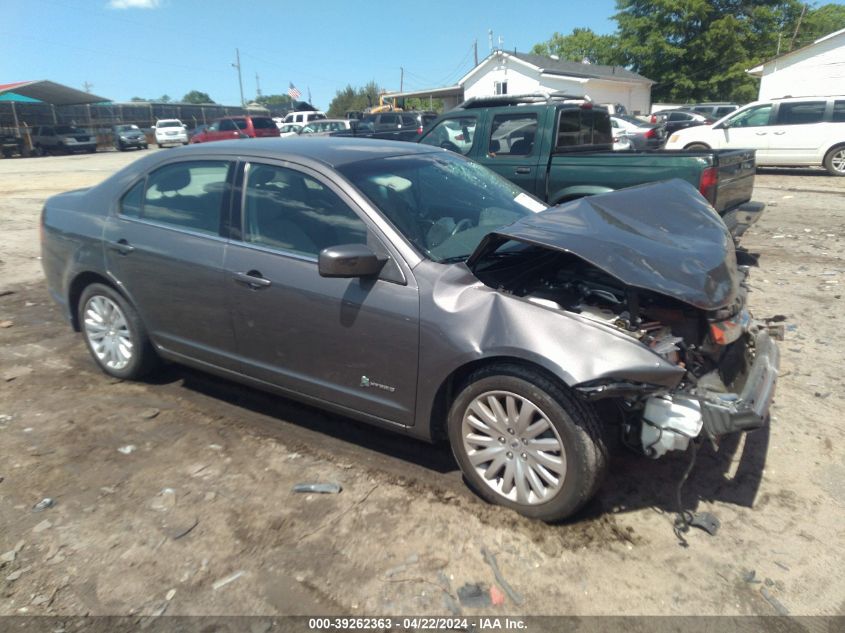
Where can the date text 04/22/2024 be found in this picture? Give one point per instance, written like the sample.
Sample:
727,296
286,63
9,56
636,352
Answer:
417,624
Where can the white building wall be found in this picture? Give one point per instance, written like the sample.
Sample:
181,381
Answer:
818,70
523,79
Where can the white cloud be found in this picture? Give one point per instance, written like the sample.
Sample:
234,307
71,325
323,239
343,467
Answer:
134,4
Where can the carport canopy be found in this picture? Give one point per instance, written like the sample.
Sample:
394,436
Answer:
50,92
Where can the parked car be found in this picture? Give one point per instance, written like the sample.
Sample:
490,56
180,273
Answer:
679,119
411,288
51,139
559,148
640,134
395,125
714,111
290,129
792,132
128,135
614,109
197,130
228,128
170,132
324,127
303,117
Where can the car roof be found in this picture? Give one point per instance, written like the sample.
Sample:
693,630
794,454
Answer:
331,151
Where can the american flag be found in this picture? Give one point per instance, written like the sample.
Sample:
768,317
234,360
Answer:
293,92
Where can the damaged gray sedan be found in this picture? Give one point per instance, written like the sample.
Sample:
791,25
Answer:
410,288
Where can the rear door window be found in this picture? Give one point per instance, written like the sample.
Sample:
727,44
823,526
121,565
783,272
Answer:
839,111
800,113
261,123
513,134
188,195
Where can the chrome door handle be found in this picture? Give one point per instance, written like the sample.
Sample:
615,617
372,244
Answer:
121,246
779,133
523,170
253,279
760,133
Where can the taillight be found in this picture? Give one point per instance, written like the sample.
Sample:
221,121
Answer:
707,184
653,119
419,129
651,133
586,105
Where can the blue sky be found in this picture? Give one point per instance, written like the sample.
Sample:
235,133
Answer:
173,46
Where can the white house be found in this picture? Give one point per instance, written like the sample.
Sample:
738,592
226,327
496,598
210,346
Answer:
813,70
519,73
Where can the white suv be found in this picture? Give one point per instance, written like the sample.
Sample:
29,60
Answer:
171,132
304,116
791,132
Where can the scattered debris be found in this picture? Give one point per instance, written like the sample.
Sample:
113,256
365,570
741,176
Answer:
149,414
4,418
164,500
782,566
8,557
490,559
178,531
18,371
474,596
822,395
776,604
329,489
6,293
706,521
750,576
14,575
44,525
170,595
225,581
776,318
44,504
6,324
126,450
496,596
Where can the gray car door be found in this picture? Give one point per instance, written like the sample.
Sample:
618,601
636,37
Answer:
164,246
349,342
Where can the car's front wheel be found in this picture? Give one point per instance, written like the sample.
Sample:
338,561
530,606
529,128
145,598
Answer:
114,333
834,161
697,147
524,442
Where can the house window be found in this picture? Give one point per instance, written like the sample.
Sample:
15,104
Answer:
501,87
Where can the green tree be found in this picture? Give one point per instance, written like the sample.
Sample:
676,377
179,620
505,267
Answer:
582,44
700,49
139,100
354,99
818,23
197,97
164,99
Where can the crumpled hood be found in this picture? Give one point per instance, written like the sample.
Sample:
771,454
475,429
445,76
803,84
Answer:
663,237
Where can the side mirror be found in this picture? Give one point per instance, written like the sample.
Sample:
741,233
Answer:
349,260
724,125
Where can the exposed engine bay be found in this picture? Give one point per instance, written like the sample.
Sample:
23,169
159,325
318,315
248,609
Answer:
715,347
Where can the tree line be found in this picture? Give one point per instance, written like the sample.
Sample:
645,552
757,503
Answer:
698,50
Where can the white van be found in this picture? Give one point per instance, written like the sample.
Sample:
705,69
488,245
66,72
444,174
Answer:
305,116
789,132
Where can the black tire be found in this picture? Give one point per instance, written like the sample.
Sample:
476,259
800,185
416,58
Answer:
836,154
159,145
697,147
575,424
143,357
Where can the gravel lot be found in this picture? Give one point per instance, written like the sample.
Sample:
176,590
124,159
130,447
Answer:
199,517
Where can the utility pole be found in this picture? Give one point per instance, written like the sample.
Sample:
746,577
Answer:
490,38
257,86
87,86
237,65
475,51
797,26
401,79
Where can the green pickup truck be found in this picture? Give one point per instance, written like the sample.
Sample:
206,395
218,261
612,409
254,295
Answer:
560,147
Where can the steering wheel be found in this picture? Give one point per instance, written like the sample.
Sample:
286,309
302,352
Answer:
450,146
462,225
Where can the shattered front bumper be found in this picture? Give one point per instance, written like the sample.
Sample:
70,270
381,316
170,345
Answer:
724,413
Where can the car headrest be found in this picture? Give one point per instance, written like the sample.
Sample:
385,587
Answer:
174,180
495,146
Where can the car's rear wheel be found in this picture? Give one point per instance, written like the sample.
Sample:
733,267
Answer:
524,442
834,161
114,333
697,147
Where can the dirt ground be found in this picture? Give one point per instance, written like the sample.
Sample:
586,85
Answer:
175,495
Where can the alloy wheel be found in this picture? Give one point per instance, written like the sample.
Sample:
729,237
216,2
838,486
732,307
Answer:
837,161
514,447
107,330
